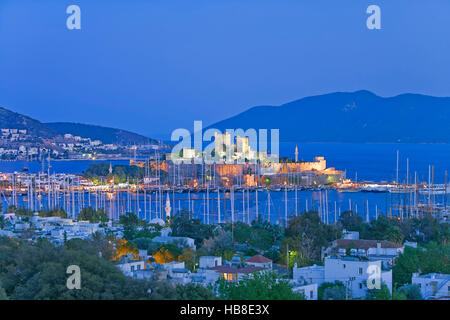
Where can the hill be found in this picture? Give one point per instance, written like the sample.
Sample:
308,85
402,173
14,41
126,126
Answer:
105,134
39,130
13,120
352,117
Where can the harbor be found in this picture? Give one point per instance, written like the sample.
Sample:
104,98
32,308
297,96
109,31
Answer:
214,194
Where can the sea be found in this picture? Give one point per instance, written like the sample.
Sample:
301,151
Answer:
361,162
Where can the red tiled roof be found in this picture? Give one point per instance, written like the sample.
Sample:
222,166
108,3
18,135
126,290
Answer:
226,269
258,259
364,244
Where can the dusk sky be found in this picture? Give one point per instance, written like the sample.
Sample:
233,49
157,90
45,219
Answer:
152,66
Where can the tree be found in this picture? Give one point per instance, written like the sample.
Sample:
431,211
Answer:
146,244
192,291
332,291
431,258
167,253
55,212
93,216
3,295
411,292
384,228
163,290
260,235
120,173
379,294
182,226
397,295
131,224
261,286
43,273
431,230
307,235
220,244
123,247
99,245
188,256
350,221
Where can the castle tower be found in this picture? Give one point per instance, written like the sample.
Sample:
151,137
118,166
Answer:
296,153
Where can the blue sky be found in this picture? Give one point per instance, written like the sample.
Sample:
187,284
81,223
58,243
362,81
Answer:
151,66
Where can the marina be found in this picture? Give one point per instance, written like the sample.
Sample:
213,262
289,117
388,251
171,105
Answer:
212,202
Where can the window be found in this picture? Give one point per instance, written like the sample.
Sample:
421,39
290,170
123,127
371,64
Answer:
434,287
344,265
229,276
360,285
311,294
360,271
132,268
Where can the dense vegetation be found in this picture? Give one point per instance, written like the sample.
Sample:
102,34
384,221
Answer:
305,237
183,226
432,257
121,173
421,230
300,243
55,212
38,271
259,287
92,215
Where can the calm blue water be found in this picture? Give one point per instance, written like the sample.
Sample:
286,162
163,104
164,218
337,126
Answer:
377,162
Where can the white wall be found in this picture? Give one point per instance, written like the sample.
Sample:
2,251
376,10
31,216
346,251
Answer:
313,274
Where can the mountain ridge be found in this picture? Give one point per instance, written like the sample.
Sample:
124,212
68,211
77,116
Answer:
351,117
39,130
107,135
13,120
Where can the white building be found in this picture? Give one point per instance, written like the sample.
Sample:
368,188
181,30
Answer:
128,267
234,274
311,274
433,285
350,235
189,153
259,261
356,274
222,143
189,242
309,291
173,265
209,262
374,250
